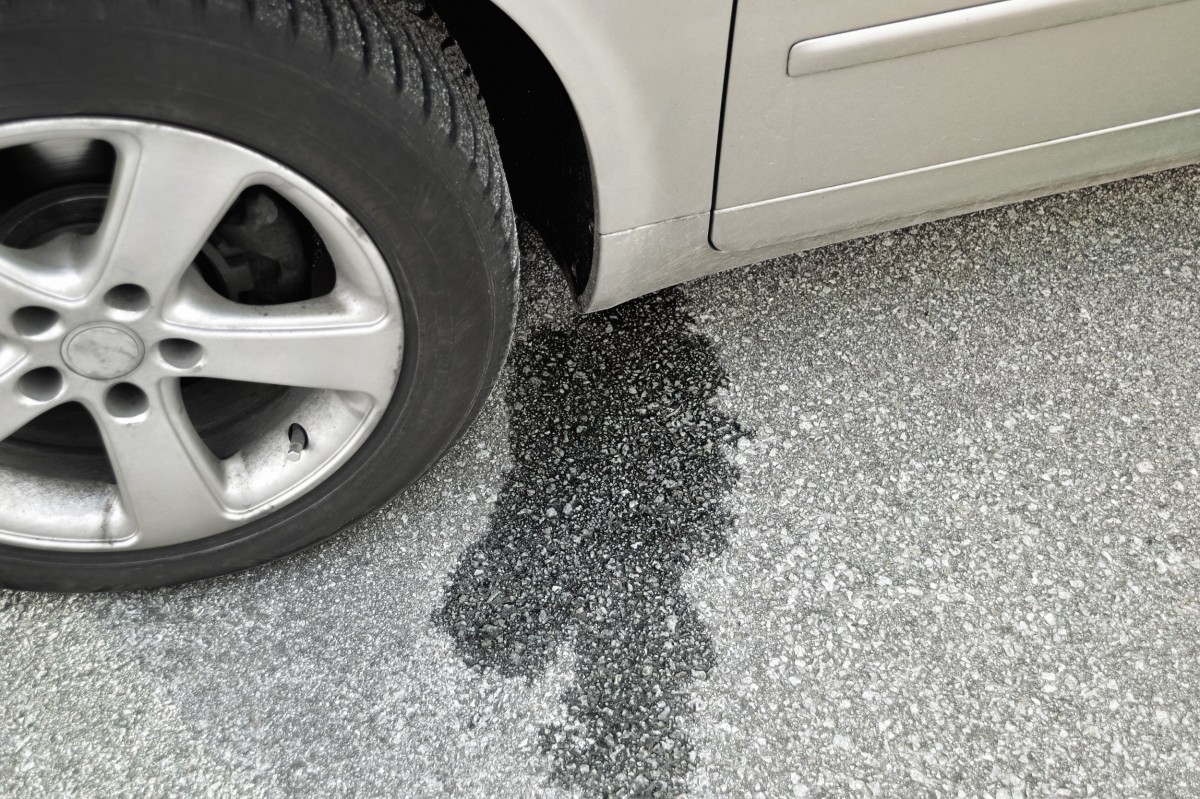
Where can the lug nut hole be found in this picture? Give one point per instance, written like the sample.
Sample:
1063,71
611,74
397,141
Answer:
33,320
180,353
128,297
41,385
125,401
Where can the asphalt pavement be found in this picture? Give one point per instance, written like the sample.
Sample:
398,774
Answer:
915,515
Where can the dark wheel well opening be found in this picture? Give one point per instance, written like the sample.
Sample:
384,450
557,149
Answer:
541,142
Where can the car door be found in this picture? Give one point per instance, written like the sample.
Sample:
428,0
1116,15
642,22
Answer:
844,116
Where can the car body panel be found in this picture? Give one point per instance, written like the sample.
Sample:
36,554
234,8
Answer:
936,107
646,82
1042,93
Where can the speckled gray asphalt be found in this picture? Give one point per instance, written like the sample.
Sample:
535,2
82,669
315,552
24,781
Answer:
917,515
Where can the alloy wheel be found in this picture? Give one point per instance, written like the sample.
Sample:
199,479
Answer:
192,335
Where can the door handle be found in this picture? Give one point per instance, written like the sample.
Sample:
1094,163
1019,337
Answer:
949,29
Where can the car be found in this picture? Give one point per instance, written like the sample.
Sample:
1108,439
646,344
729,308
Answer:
259,261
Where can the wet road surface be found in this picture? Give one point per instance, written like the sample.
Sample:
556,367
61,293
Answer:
913,515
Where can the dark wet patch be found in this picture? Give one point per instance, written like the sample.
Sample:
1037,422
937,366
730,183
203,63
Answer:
618,488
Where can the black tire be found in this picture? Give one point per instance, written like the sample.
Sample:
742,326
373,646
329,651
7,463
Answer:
372,102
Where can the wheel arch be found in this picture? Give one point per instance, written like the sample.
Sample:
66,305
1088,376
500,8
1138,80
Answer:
542,142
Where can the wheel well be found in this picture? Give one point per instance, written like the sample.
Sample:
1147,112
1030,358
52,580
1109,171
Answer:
541,141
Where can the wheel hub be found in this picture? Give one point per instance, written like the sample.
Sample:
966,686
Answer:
103,351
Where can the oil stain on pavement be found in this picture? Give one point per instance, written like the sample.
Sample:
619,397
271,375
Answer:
618,487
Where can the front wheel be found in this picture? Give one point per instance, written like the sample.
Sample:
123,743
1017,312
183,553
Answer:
257,272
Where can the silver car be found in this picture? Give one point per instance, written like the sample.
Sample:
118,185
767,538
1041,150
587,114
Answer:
258,258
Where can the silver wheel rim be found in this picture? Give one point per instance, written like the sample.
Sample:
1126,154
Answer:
119,320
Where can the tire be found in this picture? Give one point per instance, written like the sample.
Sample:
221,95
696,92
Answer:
371,104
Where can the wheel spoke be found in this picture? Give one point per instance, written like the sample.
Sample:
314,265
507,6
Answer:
35,277
16,416
169,193
15,292
16,281
328,343
16,410
169,481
